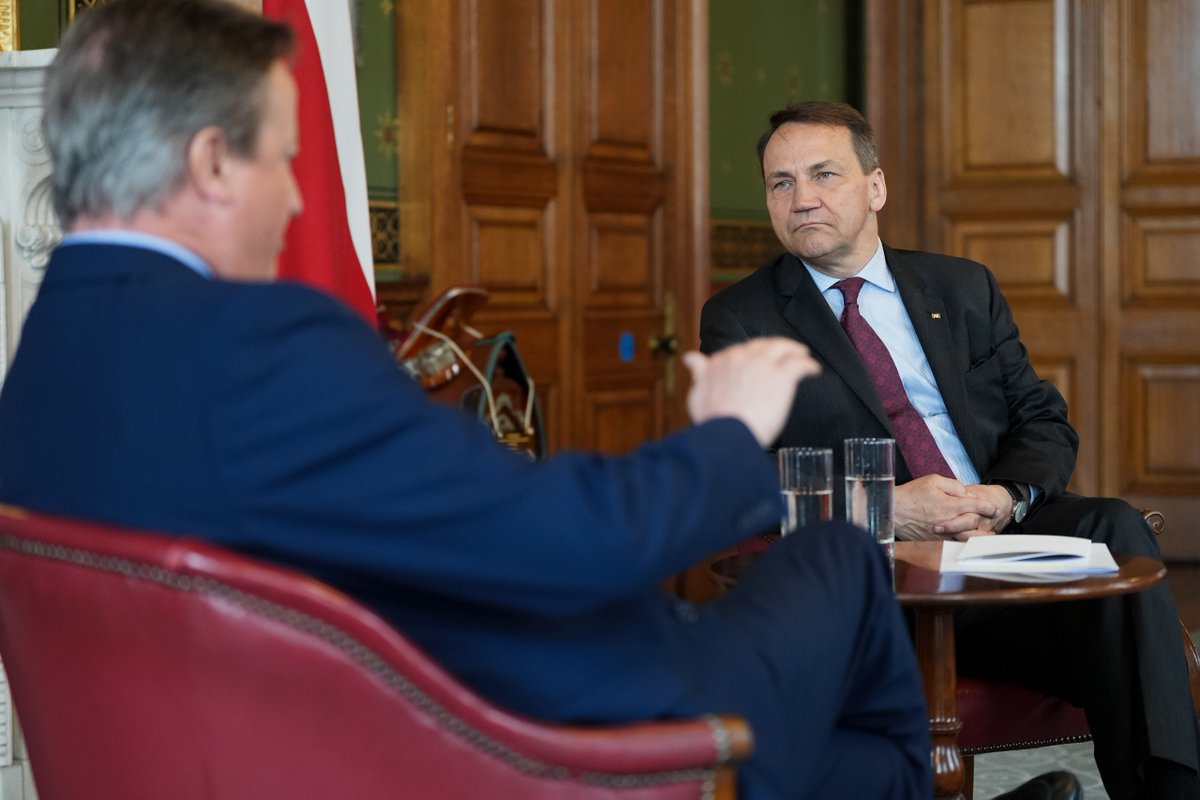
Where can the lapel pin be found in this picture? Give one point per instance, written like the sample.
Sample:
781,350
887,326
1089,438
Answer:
936,315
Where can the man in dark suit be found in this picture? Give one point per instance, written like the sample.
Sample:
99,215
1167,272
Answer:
164,381
922,348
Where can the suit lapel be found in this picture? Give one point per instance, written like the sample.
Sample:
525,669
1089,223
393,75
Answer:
806,311
927,310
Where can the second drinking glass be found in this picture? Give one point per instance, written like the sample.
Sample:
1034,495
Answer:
806,483
870,489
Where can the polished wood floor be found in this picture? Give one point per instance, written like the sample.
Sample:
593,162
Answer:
1185,585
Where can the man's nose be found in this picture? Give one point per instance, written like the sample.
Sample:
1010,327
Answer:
297,199
804,198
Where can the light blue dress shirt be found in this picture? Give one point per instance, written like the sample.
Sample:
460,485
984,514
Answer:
145,241
881,306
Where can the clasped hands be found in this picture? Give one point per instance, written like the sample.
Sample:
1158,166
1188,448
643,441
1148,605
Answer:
755,382
933,507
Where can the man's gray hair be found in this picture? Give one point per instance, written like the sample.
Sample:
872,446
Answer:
827,112
134,81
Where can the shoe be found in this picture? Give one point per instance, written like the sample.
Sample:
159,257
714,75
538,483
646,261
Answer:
1051,786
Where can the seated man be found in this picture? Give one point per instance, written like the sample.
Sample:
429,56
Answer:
163,381
922,348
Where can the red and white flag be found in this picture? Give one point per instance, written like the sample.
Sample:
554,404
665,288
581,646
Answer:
329,244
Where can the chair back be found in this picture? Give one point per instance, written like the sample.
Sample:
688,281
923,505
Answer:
149,666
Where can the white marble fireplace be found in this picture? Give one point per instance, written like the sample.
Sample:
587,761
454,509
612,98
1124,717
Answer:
27,233
27,229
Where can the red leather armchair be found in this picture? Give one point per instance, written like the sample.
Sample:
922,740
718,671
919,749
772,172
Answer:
145,666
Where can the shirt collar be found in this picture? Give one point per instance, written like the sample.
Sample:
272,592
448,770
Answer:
875,272
145,241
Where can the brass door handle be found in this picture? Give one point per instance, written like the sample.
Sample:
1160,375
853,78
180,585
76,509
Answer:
667,344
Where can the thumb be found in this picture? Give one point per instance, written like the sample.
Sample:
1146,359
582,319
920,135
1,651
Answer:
696,363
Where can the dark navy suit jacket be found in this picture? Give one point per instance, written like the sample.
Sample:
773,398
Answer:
268,417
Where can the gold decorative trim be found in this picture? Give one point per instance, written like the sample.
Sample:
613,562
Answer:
385,233
741,245
75,6
10,25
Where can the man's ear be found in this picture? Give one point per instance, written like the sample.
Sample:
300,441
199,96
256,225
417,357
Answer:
878,190
208,164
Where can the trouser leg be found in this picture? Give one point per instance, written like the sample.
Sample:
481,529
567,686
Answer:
827,675
1120,658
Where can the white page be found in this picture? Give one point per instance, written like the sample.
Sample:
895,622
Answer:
1023,546
1092,557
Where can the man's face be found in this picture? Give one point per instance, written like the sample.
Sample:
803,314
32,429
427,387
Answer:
265,193
822,204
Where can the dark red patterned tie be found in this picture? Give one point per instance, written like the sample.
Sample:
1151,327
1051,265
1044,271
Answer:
916,443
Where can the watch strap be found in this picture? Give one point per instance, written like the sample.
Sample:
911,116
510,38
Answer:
1020,494
1018,489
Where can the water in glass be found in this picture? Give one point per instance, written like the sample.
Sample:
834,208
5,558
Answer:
869,505
805,507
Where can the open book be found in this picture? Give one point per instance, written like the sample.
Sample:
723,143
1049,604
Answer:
1027,554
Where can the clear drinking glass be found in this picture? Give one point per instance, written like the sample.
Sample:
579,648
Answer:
870,489
806,483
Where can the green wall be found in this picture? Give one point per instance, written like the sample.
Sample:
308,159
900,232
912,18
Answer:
40,22
763,55
377,94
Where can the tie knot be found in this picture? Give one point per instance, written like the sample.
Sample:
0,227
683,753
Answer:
850,287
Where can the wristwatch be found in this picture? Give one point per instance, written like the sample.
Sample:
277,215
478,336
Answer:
1020,505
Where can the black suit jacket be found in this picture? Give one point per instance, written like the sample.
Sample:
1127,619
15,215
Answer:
1013,425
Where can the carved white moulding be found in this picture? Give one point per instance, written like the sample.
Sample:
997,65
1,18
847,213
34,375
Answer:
26,217
37,232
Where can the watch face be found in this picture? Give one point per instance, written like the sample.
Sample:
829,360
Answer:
1020,508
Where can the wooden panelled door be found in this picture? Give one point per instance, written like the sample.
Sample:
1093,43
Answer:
1058,142
554,151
